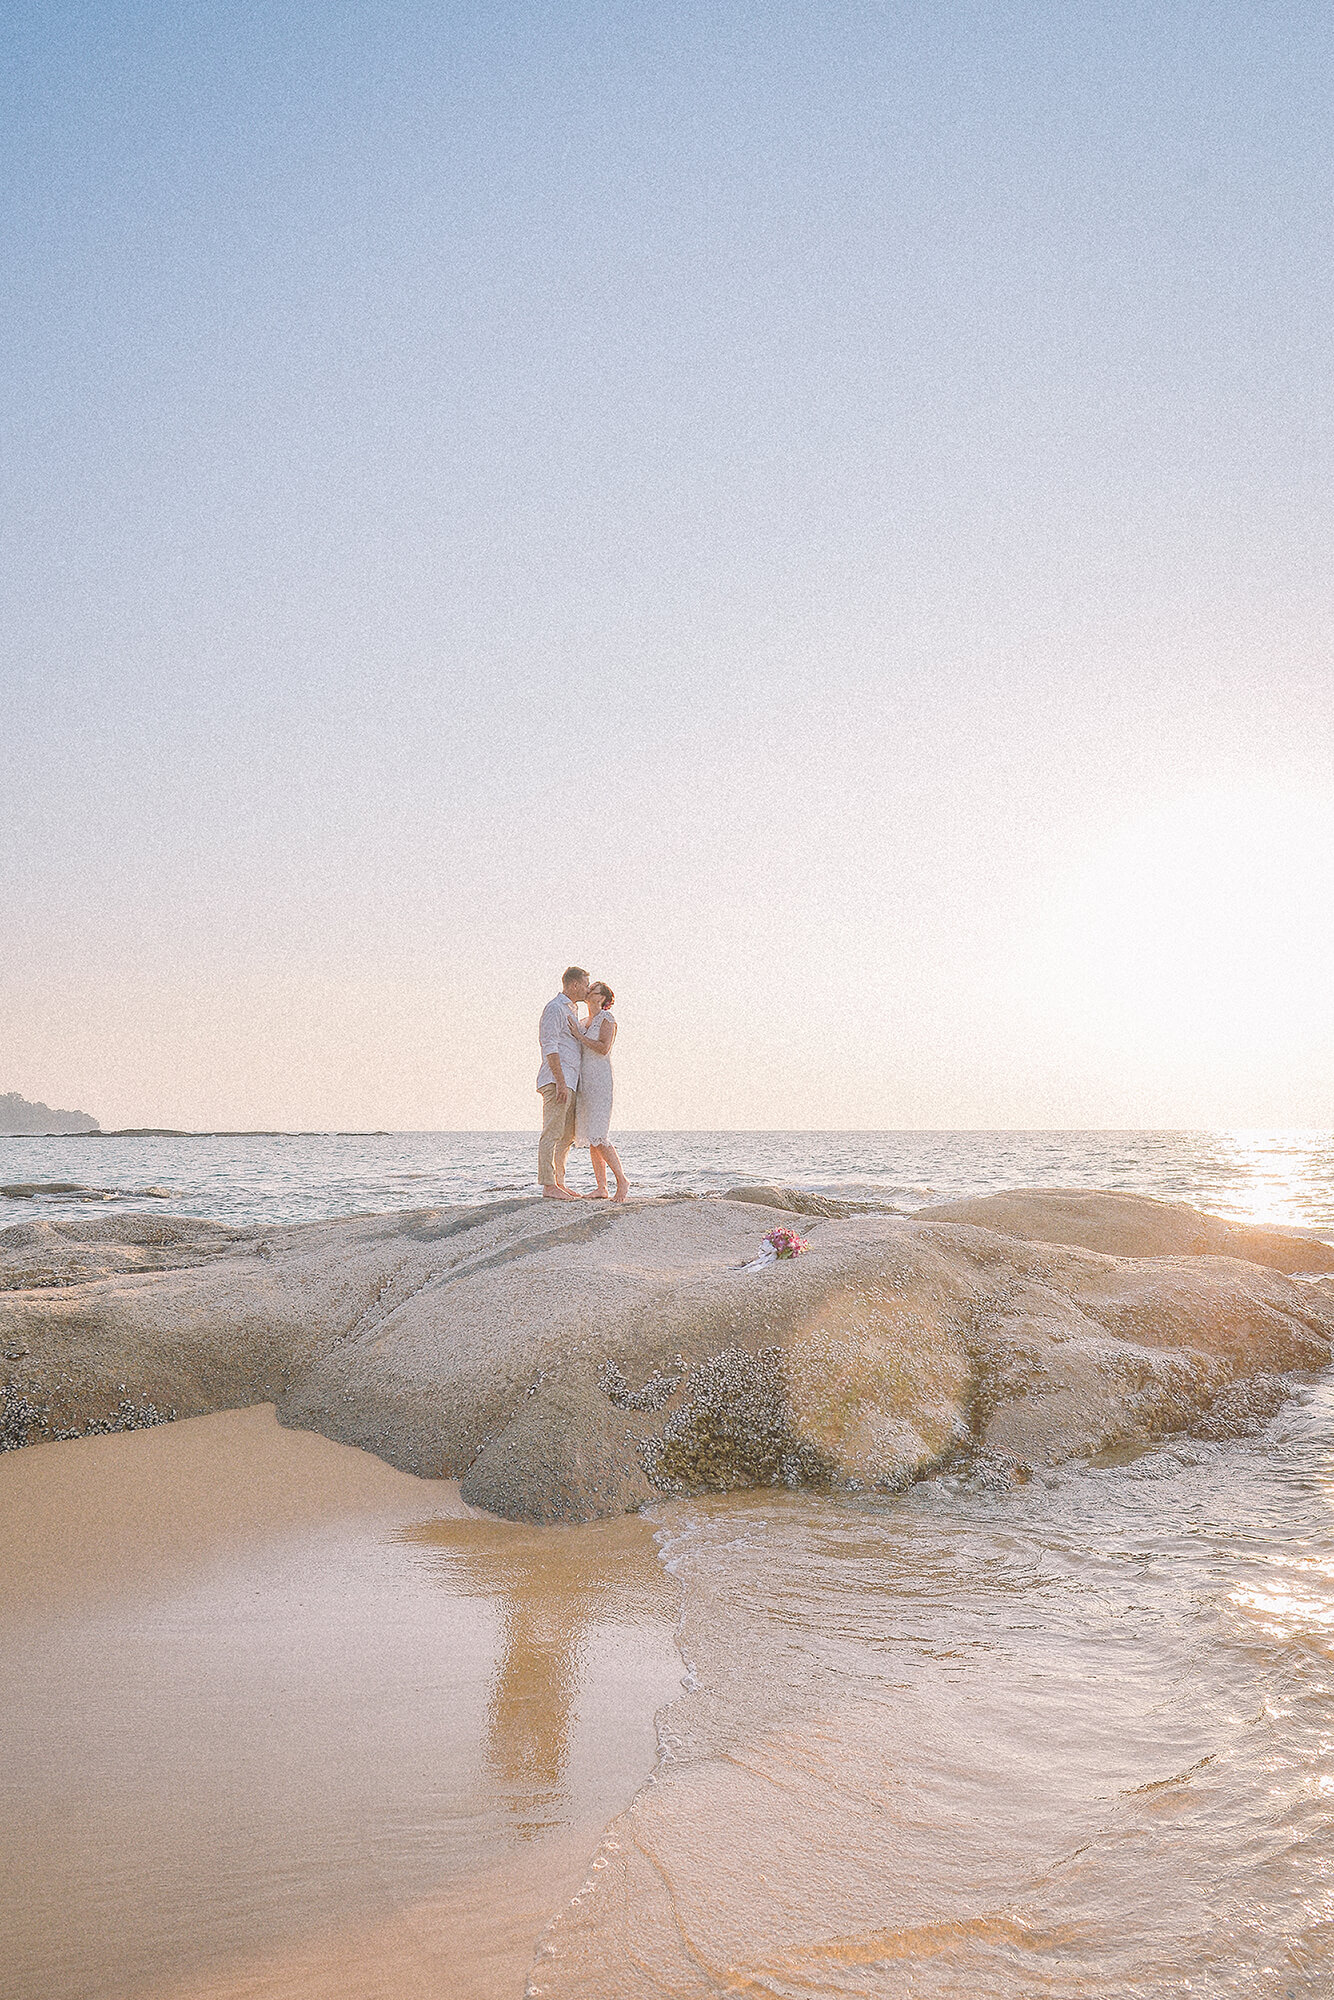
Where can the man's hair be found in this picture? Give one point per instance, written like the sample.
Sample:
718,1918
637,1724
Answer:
572,972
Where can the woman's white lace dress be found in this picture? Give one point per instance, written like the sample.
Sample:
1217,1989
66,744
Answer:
592,1106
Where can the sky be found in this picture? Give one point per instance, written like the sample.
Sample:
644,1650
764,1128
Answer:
820,513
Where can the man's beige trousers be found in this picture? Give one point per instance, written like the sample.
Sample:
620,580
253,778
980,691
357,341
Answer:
557,1137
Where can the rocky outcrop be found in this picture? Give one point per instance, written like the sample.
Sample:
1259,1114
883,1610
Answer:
1121,1225
800,1201
566,1363
36,1256
1132,1225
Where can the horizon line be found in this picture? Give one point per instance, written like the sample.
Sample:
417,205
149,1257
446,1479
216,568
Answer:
644,1131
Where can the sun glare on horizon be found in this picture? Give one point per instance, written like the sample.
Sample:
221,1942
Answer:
1191,937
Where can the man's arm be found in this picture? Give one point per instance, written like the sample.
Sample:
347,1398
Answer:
553,1020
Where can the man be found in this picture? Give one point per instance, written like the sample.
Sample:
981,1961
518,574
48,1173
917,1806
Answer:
558,1080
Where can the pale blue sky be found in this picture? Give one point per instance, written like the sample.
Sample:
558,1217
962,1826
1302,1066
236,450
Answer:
820,512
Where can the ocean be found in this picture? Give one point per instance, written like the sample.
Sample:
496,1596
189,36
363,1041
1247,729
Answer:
1281,1177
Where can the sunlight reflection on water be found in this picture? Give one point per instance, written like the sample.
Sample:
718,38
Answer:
1283,1177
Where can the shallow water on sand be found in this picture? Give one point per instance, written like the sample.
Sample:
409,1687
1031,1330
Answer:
279,1721
1071,1740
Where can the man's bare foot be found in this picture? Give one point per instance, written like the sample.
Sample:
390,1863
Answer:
560,1194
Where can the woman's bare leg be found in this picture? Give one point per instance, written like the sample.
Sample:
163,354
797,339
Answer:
599,1159
611,1158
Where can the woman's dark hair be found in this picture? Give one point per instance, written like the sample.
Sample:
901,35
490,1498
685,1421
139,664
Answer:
601,986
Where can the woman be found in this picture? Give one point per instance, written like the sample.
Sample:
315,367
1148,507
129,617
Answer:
592,1113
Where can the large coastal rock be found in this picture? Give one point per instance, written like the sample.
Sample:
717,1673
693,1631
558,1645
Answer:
568,1362
1122,1225
1133,1225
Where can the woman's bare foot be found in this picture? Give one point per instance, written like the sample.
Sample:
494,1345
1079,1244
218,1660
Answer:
622,1190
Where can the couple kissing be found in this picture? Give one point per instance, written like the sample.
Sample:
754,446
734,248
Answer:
575,1083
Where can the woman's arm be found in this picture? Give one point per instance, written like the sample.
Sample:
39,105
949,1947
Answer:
602,1040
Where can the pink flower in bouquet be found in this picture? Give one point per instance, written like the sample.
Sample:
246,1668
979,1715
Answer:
786,1242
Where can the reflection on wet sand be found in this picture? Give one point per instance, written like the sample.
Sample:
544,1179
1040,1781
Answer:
555,1590
329,1737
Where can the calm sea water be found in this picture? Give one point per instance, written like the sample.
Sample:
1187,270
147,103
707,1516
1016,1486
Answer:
1285,1177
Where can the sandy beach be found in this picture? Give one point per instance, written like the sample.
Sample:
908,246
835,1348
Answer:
280,1720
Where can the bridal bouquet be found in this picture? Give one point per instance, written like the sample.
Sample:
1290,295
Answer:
778,1244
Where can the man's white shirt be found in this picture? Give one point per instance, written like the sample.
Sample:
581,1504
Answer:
555,1037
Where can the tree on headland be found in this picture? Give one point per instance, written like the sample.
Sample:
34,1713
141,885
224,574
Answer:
20,1119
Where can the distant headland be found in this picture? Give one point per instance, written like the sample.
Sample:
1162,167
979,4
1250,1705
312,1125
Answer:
20,1119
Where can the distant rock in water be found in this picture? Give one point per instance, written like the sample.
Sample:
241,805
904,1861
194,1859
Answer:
20,1119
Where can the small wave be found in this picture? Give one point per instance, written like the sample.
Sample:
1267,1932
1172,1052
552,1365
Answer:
938,1745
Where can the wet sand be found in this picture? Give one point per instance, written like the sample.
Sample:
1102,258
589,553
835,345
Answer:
279,1720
